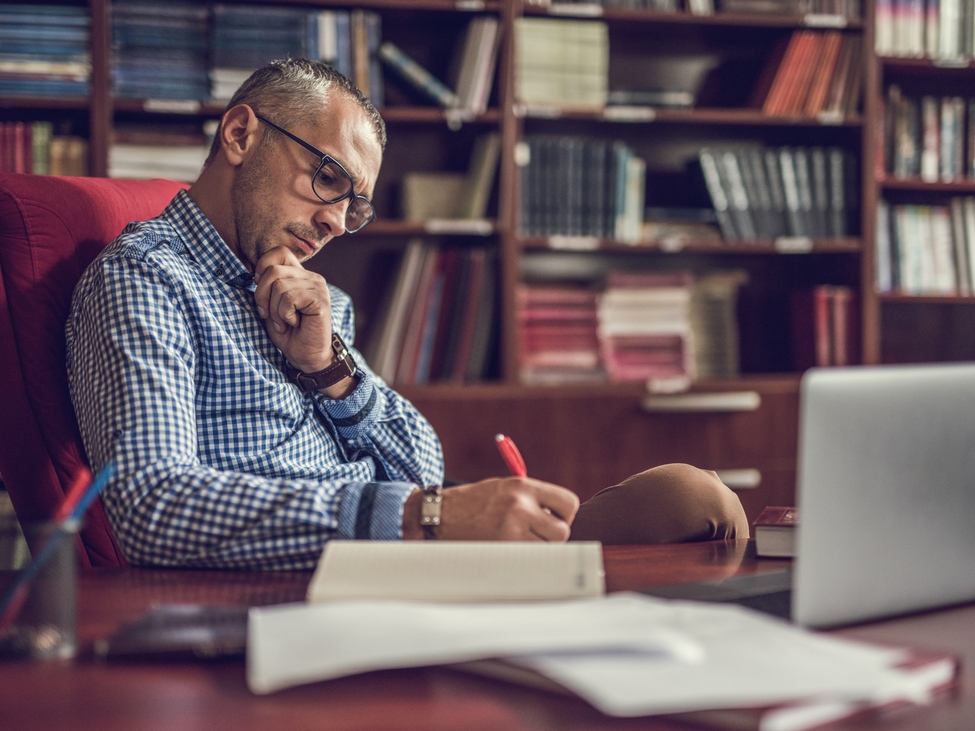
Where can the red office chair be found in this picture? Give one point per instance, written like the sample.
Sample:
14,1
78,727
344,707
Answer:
51,228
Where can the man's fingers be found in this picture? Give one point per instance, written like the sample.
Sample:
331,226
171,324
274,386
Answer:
277,256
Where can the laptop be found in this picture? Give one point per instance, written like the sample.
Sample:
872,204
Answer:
886,498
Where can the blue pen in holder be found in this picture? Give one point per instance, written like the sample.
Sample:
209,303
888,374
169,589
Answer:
45,626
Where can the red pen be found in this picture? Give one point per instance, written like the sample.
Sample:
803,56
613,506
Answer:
511,455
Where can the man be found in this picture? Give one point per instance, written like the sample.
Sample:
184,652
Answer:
217,372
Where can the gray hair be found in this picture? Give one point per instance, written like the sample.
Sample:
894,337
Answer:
293,92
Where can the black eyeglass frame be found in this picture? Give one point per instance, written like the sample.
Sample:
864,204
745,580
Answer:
326,159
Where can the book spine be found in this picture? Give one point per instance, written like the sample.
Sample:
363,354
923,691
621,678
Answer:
417,75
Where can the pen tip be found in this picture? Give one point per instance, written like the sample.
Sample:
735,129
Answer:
499,437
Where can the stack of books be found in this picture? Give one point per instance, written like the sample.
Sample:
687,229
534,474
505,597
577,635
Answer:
171,151
561,63
574,186
558,335
438,322
645,326
44,50
766,193
159,51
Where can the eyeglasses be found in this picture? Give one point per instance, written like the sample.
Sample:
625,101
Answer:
333,184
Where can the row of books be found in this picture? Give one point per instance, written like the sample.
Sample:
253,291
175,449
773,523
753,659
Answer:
573,186
32,147
937,29
561,63
811,74
825,330
928,137
191,52
925,249
662,327
767,193
44,50
438,320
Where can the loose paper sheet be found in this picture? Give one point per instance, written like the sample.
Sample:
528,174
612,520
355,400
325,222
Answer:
301,643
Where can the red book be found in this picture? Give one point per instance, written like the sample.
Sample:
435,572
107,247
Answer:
775,532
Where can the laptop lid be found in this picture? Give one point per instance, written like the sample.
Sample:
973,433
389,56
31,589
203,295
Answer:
886,492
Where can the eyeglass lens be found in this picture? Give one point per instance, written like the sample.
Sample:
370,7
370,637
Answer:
333,184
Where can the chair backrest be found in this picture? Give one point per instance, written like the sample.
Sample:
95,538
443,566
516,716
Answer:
51,228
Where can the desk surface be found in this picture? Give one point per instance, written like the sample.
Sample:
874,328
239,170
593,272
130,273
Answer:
83,694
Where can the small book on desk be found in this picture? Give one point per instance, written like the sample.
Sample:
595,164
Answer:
458,571
775,532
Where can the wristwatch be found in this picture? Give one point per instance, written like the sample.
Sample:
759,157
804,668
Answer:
343,368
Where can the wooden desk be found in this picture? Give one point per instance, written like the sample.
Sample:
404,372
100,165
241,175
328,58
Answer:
82,694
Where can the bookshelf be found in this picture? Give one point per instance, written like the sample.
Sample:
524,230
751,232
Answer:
734,47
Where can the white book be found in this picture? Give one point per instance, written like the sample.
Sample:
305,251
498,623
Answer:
457,571
969,203
960,247
941,249
883,252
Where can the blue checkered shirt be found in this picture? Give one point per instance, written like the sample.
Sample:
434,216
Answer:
221,461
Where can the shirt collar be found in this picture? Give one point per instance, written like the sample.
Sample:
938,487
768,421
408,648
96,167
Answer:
204,244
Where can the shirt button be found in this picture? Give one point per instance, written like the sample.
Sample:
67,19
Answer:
218,272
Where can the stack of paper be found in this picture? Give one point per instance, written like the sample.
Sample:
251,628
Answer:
626,654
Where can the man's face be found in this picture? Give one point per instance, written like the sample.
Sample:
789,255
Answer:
273,200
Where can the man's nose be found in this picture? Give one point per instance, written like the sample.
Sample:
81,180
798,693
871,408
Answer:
332,216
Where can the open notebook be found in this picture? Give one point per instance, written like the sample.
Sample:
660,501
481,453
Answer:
886,495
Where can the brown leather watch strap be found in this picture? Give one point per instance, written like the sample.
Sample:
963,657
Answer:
343,368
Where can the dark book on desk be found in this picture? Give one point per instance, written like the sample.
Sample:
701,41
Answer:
775,532
179,632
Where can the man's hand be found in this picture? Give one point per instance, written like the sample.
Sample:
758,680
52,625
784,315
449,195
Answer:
499,509
297,311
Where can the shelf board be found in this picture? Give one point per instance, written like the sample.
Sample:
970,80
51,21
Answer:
917,185
492,6
393,227
764,382
702,116
44,102
925,299
734,20
818,246
939,66
423,115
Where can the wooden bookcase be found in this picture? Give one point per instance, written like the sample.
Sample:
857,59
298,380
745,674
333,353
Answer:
593,436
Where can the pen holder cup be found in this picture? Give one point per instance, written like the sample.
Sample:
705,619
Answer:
44,627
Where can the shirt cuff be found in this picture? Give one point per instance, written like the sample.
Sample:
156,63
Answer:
356,414
373,510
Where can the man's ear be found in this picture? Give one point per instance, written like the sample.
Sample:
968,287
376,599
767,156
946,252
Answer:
239,133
